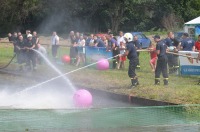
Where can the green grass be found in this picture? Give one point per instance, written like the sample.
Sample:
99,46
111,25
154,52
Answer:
181,89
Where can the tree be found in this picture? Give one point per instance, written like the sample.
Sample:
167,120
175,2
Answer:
15,12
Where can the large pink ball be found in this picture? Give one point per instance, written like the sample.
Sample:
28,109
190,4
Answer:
82,98
102,64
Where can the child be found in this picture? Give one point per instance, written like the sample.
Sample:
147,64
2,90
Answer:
153,55
122,59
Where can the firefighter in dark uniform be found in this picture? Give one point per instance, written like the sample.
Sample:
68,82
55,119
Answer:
131,54
173,45
161,48
20,52
175,59
31,56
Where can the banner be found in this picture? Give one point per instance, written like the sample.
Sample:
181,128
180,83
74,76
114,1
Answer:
189,66
93,54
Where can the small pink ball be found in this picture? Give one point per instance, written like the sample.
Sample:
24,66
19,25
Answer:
82,98
102,64
66,59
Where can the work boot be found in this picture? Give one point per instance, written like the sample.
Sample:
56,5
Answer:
134,83
165,82
157,82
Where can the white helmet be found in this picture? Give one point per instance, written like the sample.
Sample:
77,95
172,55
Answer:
128,36
29,35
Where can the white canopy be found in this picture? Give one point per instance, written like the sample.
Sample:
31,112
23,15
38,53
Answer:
194,21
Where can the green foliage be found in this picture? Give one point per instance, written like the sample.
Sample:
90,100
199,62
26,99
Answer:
94,15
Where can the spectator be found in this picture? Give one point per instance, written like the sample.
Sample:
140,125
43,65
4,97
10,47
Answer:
120,38
81,51
75,59
19,34
98,42
86,40
77,37
104,39
197,44
10,38
122,59
72,36
137,46
153,55
55,44
187,43
115,50
91,40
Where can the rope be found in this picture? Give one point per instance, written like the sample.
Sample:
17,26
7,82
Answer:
8,62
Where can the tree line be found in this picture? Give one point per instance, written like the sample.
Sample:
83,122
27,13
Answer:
95,15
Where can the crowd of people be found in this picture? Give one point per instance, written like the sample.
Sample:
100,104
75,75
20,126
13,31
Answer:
123,46
116,44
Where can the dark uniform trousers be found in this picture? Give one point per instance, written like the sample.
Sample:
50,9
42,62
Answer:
173,63
161,67
31,57
131,70
54,50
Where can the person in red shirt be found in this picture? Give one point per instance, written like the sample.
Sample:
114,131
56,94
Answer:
197,49
197,44
153,55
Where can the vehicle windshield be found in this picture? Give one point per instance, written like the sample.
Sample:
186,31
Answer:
178,35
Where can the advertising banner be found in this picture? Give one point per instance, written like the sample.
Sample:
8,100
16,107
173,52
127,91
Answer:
93,54
189,66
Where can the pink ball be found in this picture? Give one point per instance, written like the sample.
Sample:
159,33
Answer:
82,98
102,64
66,59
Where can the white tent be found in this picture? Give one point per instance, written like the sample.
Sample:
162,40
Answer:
189,27
195,21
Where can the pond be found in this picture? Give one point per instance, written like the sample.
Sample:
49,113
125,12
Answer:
35,110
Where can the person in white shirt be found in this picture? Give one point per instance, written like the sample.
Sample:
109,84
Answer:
55,44
81,45
120,39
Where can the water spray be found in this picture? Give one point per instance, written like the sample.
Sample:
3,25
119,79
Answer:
61,75
47,61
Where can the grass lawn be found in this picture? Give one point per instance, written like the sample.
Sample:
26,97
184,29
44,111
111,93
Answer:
181,89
